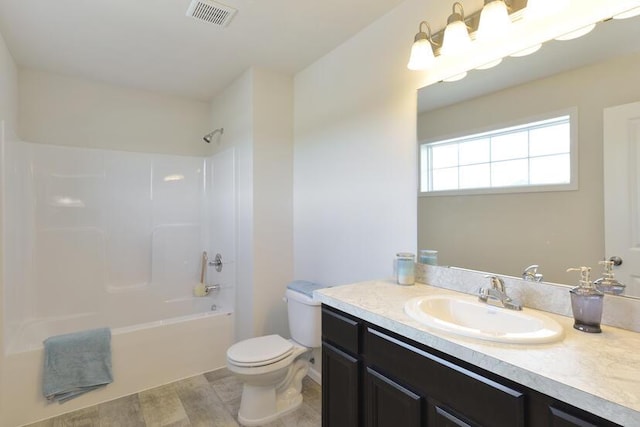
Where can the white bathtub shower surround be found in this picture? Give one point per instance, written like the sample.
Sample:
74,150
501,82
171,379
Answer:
97,238
110,238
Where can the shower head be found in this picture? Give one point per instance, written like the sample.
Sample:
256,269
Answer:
208,137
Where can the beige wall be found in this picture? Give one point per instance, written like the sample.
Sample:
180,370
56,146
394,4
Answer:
504,233
55,109
355,153
273,205
256,112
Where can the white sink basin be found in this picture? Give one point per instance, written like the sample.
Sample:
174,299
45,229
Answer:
465,315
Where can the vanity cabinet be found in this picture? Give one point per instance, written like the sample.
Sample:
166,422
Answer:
375,378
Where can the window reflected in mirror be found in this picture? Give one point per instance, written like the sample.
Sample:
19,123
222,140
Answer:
530,156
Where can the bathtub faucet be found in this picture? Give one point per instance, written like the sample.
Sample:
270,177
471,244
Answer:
211,288
202,290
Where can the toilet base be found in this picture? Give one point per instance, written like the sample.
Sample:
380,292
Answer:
262,404
282,409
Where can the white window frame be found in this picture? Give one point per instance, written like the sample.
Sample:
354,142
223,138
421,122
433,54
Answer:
573,156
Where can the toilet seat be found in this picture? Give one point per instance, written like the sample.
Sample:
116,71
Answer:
260,351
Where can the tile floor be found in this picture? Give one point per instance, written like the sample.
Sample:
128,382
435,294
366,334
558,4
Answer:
208,400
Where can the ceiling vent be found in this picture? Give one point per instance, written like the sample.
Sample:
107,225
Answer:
211,12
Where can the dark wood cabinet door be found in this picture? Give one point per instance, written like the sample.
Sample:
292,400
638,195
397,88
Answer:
389,404
340,388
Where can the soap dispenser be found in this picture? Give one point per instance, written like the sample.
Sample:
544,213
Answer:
586,303
608,283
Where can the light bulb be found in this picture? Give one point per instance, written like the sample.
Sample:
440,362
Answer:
421,55
456,39
494,21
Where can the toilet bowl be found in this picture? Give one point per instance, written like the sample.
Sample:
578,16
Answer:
271,367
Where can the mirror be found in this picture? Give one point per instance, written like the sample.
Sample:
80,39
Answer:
505,233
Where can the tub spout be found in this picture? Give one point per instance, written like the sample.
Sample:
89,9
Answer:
202,290
211,288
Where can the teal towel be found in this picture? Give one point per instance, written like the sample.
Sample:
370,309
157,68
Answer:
76,363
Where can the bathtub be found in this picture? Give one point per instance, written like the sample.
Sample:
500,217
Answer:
145,355
122,313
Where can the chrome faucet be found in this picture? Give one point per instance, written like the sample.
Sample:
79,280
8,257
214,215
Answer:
531,274
496,294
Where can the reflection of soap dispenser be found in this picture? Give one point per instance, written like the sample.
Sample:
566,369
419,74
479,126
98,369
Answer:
608,283
586,303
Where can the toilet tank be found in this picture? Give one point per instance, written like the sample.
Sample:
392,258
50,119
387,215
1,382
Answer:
304,318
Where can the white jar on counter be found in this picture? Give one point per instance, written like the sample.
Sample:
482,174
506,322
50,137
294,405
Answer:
405,268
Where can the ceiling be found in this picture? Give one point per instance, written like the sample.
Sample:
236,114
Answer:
152,45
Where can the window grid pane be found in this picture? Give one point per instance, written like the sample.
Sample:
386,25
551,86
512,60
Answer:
475,176
510,146
528,155
475,151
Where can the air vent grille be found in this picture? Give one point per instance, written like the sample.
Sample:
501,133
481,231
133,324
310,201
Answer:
211,12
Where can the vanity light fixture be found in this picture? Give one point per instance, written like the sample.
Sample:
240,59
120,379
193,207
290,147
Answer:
489,24
422,56
505,28
456,39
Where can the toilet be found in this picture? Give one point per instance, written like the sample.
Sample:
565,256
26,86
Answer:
270,367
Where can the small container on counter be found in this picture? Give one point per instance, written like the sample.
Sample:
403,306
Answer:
428,256
405,268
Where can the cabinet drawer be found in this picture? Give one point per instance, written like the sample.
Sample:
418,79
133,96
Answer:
479,399
341,330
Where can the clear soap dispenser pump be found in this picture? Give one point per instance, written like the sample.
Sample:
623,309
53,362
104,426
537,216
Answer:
608,282
586,303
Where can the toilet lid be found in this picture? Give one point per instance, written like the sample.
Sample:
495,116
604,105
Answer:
260,350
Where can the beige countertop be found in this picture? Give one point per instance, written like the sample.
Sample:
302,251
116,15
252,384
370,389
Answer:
599,373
